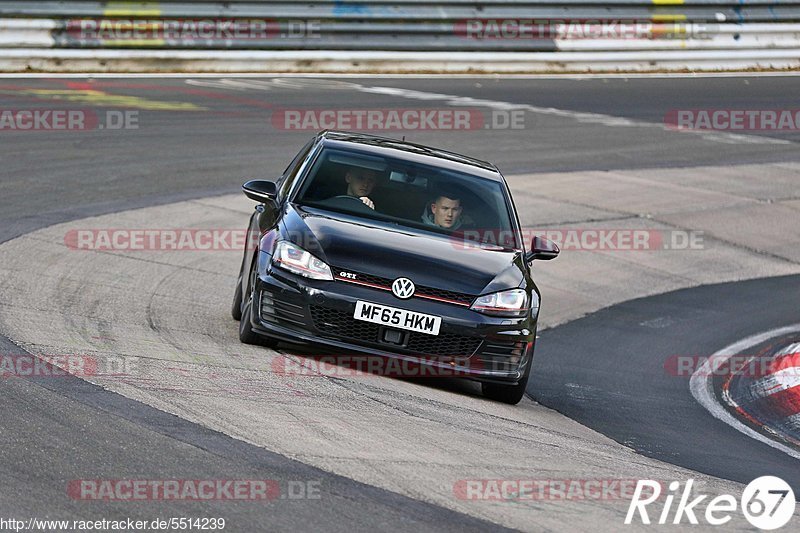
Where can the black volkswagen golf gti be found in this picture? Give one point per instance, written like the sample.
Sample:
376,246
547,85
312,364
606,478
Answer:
377,246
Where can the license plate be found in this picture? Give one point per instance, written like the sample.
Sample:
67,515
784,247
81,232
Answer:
397,318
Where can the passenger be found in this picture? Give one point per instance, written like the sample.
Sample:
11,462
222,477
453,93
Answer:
445,211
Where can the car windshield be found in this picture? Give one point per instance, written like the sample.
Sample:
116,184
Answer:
410,195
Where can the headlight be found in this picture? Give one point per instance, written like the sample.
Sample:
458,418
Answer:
511,303
291,257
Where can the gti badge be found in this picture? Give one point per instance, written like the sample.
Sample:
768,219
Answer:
403,288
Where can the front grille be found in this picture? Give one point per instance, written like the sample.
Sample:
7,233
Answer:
421,290
373,280
445,344
464,299
343,325
501,356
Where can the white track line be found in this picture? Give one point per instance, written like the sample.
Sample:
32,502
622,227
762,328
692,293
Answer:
701,385
580,116
225,82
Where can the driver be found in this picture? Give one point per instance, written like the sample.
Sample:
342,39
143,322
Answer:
360,183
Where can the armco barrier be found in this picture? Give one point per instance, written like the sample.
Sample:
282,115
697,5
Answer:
401,35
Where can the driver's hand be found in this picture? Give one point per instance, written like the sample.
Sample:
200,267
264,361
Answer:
369,203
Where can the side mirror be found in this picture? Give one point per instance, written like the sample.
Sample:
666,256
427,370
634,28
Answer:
262,191
542,249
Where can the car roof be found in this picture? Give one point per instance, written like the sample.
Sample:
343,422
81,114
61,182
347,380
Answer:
417,153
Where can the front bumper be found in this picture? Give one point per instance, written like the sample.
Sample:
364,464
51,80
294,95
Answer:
471,345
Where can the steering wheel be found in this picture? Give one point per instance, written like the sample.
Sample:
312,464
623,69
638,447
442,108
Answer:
356,198
351,203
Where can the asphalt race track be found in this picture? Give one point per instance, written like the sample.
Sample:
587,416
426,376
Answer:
385,453
647,406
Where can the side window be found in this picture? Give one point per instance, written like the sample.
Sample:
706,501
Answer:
285,182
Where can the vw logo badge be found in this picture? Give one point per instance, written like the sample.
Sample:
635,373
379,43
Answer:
403,288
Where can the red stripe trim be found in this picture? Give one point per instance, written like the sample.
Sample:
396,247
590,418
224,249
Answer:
445,300
364,283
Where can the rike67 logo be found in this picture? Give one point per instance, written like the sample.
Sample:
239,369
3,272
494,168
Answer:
767,503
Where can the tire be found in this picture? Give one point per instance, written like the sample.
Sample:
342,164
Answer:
236,307
510,394
246,333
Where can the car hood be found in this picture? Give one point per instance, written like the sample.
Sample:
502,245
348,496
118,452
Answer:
379,249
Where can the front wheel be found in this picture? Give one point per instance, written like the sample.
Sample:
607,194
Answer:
236,307
511,394
246,333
